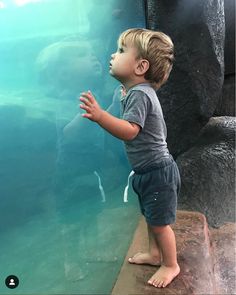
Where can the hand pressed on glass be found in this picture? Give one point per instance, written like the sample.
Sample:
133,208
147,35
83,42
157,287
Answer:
90,105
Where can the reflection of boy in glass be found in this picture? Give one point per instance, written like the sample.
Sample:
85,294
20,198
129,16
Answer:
64,68
66,65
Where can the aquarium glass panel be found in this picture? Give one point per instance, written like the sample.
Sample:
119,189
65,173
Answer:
64,227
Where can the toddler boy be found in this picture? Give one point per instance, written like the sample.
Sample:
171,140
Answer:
142,64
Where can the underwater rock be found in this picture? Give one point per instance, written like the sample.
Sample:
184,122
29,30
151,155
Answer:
39,134
12,119
208,172
27,162
192,93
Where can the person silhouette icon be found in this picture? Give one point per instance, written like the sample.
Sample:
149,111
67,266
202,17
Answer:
12,282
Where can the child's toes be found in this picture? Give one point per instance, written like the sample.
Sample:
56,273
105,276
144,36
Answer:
160,284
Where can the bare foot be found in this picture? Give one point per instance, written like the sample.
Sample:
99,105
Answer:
164,276
145,258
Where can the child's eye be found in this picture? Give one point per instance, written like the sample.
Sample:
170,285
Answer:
120,50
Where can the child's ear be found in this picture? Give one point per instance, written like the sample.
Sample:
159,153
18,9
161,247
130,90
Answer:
142,67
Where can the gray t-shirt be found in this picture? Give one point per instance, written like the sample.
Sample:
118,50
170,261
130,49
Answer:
141,106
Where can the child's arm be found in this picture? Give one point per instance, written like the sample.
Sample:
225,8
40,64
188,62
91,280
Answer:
117,127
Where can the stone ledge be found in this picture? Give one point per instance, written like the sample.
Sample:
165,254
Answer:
223,241
194,256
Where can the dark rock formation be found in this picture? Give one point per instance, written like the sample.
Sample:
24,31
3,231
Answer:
207,171
192,93
229,9
226,106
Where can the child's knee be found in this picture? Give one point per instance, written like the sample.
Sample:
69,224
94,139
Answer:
158,229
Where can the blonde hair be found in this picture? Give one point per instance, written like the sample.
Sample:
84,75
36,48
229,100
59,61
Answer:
156,47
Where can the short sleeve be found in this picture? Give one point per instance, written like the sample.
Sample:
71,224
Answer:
136,107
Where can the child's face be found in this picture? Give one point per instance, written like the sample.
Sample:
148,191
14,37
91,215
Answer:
123,63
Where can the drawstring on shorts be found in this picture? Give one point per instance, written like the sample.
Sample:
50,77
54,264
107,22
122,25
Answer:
127,187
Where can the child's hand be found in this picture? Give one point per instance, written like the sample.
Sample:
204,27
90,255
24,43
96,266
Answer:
90,105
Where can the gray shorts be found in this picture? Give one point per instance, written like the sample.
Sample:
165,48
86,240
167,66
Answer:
157,188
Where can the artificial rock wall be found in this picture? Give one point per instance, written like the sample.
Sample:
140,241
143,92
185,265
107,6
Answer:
194,95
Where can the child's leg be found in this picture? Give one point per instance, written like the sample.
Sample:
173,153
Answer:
169,269
153,256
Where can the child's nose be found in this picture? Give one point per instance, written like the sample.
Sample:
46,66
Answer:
113,55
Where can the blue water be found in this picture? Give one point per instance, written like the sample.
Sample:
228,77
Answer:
64,228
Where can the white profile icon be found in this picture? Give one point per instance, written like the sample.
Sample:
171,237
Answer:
12,282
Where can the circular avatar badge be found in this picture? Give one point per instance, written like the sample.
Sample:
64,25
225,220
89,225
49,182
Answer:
12,282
